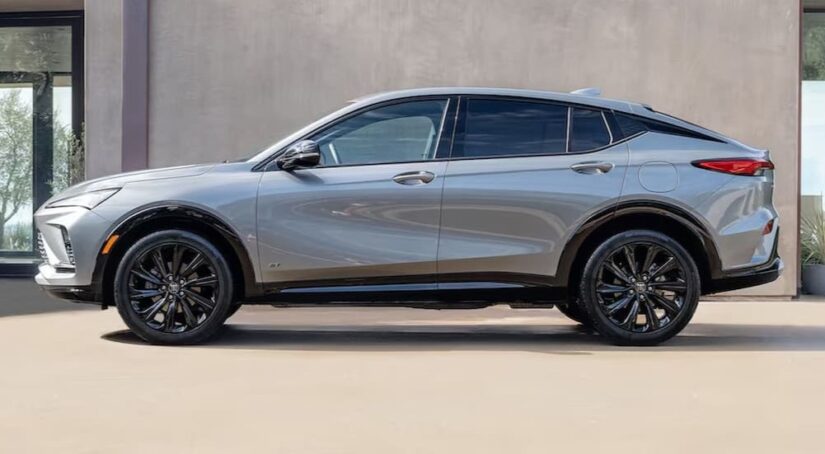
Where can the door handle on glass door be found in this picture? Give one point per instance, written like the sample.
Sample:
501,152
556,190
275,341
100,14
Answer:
414,178
592,167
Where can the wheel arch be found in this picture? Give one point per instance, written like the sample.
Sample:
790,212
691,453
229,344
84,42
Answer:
661,217
181,217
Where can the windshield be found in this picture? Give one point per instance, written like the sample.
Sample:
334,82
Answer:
265,153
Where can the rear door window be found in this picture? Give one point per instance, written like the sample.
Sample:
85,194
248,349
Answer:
498,127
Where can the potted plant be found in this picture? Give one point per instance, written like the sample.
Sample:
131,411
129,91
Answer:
812,234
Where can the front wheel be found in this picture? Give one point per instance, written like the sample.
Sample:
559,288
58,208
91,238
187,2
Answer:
173,287
640,287
573,311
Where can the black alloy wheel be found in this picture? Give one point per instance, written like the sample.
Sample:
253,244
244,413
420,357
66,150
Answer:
173,287
640,288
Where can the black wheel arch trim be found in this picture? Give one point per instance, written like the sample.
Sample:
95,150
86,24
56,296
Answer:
626,208
172,210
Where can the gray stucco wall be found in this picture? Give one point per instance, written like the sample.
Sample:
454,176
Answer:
104,89
229,77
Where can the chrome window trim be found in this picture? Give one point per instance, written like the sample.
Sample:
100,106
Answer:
607,126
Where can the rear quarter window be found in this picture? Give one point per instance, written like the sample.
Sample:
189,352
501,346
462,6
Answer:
588,130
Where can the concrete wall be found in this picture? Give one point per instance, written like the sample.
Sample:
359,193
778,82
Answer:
229,77
104,90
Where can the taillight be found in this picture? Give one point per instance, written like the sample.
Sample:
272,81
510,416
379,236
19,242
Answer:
733,166
768,228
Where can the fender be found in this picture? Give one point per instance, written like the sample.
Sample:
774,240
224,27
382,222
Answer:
671,212
177,212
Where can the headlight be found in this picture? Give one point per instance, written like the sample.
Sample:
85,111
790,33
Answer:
86,200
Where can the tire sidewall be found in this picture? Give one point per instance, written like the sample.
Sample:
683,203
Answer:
223,299
590,301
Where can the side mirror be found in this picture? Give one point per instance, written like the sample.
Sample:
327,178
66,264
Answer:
305,153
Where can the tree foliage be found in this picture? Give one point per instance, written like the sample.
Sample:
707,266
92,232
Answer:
15,157
813,58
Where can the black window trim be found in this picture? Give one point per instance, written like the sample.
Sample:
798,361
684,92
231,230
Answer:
677,131
461,120
445,135
450,130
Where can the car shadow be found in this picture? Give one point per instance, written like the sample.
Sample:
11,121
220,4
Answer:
552,339
21,296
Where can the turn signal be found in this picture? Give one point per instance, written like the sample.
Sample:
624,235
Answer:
109,243
747,167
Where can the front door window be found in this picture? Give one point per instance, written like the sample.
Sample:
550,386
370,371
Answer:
404,132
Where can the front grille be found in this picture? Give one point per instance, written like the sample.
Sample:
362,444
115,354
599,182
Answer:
41,247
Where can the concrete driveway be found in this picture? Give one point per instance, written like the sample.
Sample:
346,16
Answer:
745,377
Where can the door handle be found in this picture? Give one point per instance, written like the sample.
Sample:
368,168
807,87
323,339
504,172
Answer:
592,167
414,178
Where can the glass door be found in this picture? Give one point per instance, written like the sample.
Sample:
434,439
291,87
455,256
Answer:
813,115
40,120
16,167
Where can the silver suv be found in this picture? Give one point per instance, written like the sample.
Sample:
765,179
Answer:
444,198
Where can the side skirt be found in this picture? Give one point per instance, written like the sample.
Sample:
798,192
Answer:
423,296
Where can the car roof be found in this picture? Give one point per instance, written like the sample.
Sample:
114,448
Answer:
595,101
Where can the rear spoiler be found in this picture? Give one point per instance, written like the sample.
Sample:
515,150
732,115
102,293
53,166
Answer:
590,91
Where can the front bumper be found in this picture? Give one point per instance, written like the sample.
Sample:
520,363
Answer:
70,241
75,294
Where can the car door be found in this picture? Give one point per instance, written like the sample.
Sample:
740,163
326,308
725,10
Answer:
370,210
523,175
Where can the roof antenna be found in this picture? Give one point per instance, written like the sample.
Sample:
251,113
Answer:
590,91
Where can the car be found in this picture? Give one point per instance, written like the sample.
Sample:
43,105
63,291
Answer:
434,198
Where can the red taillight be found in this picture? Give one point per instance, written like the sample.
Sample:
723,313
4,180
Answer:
768,228
749,167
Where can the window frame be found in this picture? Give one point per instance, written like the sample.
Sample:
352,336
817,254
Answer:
42,171
443,146
461,121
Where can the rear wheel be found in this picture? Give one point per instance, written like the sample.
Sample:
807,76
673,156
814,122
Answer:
640,288
173,287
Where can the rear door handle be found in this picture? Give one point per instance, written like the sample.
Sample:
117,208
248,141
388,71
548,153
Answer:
414,178
592,167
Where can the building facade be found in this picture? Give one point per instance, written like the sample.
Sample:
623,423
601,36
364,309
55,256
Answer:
168,82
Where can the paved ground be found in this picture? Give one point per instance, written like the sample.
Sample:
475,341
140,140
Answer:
745,377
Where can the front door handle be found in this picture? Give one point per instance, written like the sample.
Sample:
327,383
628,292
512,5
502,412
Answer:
414,178
592,167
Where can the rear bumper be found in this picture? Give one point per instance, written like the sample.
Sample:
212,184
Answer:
748,278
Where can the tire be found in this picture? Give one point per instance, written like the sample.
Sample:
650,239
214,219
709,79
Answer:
155,295
622,284
574,312
233,310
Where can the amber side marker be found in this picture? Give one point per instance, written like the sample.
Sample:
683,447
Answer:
109,243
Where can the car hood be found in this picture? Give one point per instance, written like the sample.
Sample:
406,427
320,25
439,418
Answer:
121,179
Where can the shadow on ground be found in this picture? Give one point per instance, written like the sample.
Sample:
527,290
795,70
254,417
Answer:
21,296
554,339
